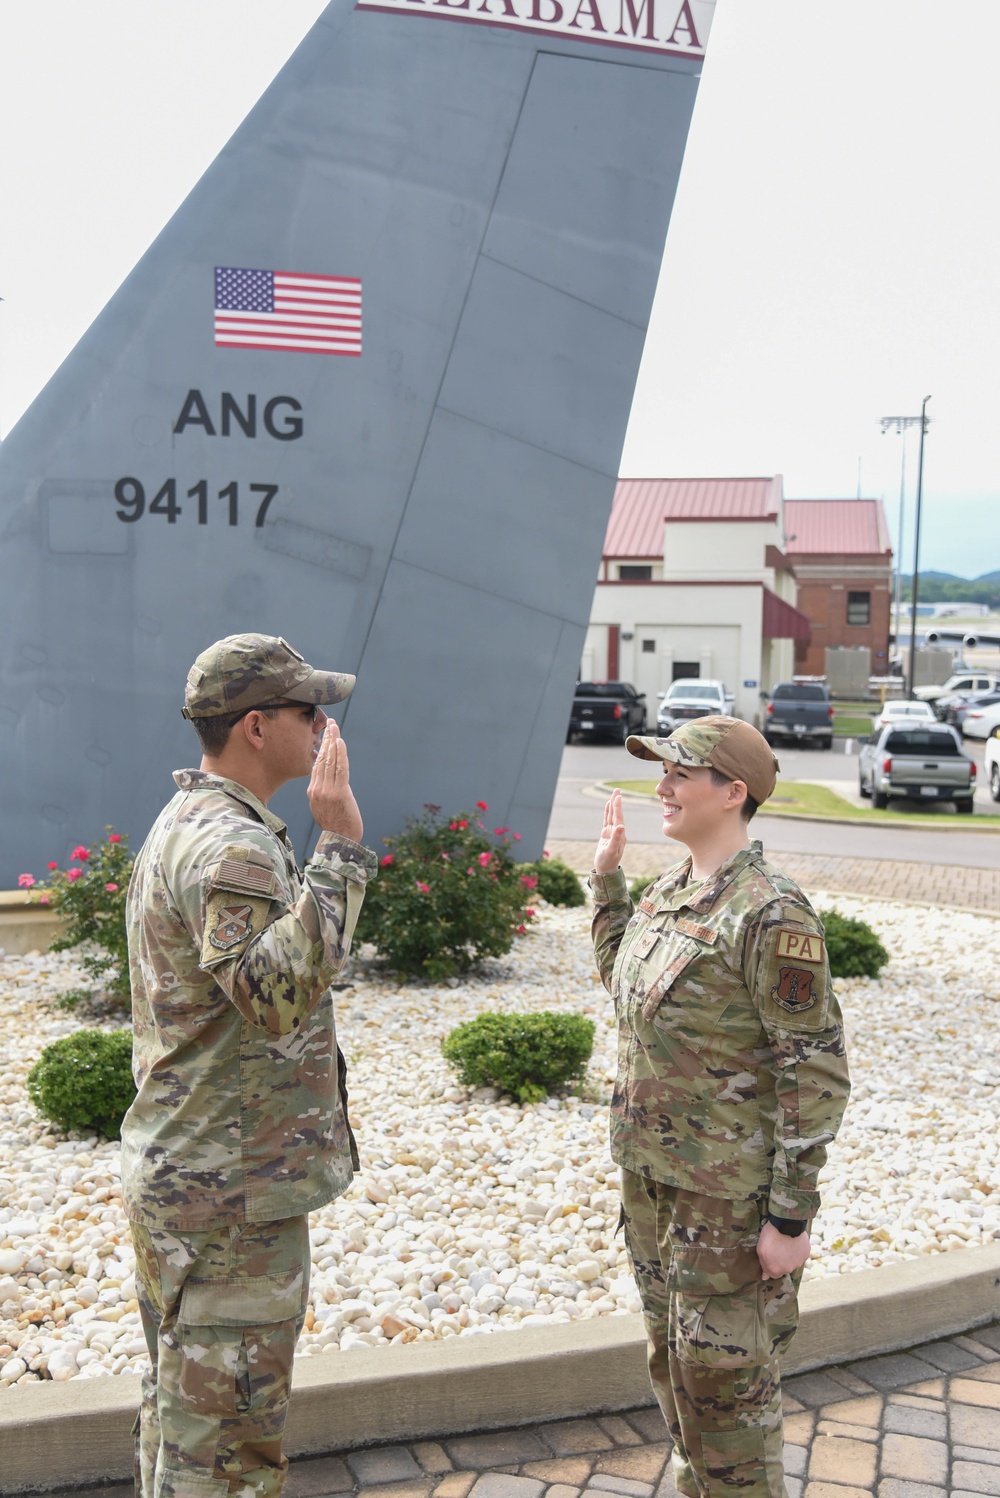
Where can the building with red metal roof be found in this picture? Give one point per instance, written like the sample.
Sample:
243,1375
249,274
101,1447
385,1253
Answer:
724,578
842,557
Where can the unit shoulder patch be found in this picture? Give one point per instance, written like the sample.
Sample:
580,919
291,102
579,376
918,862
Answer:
231,924
793,991
801,946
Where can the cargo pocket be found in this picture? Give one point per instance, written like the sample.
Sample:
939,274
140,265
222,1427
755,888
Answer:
721,1331
237,1339
737,1459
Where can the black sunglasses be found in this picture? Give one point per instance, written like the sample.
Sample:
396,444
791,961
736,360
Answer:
305,707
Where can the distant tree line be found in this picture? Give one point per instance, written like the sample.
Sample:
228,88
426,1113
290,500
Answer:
937,589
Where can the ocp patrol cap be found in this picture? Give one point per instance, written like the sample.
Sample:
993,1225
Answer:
728,745
244,671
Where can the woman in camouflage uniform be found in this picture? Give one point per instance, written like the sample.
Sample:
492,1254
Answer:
732,1080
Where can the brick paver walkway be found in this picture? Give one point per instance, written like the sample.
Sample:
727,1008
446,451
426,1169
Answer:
918,1424
936,884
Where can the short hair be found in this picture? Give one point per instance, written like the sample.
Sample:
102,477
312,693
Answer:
749,808
213,733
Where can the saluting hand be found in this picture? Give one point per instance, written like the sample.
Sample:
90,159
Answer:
331,799
611,844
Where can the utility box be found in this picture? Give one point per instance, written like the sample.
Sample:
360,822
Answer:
848,668
932,665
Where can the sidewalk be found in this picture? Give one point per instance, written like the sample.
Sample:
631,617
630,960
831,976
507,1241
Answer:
918,1424
932,884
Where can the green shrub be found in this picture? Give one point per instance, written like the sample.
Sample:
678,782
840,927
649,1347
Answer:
526,1055
639,886
447,895
84,1081
89,896
554,881
852,947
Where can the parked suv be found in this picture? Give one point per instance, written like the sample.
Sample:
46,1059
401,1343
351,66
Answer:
691,697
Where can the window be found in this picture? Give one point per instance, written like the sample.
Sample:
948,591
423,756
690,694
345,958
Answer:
859,608
629,573
648,646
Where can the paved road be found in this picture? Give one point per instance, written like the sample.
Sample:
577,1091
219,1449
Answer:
576,813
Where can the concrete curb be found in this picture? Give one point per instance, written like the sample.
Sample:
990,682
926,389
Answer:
57,1435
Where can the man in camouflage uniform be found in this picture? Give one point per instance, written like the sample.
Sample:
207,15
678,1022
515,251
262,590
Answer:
732,1080
240,1125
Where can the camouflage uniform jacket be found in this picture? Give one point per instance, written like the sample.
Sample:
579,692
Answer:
241,1109
732,1076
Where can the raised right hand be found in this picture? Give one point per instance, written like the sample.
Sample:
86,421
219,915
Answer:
611,844
331,799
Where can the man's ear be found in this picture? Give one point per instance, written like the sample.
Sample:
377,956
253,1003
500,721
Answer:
253,729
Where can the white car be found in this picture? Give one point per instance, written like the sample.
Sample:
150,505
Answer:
980,722
903,712
991,757
959,681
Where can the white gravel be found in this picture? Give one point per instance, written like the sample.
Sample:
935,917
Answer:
472,1213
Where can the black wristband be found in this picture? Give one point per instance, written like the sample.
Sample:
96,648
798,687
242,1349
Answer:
791,1227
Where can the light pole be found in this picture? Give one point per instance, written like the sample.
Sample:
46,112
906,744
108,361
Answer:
900,424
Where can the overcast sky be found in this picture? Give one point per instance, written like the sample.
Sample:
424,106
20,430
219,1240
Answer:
833,255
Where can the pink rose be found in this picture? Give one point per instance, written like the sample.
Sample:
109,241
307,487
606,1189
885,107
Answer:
52,865
521,930
25,881
483,805
112,889
73,875
529,913
81,853
114,837
499,831
452,826
516,836
386,861
470,870
424,889
43,899
529,880
484,859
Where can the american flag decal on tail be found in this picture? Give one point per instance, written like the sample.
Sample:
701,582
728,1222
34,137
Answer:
287,310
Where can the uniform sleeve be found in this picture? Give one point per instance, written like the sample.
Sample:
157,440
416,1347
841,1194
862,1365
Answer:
788,975
612,913
276,967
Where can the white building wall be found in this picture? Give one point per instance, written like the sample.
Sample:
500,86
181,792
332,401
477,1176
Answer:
717,627
717,548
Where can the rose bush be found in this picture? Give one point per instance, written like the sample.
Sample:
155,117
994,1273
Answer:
447,895
89,896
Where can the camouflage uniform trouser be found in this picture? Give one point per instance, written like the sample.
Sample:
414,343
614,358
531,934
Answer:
716,1329
221,1313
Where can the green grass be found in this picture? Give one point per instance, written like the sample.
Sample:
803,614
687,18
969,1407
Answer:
796,798
851,726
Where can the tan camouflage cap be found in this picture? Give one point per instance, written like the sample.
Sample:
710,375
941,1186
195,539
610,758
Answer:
244,671
728,745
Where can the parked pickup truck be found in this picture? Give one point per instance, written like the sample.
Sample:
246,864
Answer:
925,763
961,681
799,710
691,697
991,761
611,708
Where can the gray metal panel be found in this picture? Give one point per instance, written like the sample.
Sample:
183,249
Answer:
567,213
506,517
439,521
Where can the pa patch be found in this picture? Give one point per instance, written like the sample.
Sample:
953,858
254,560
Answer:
801,946
233,924
793,990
